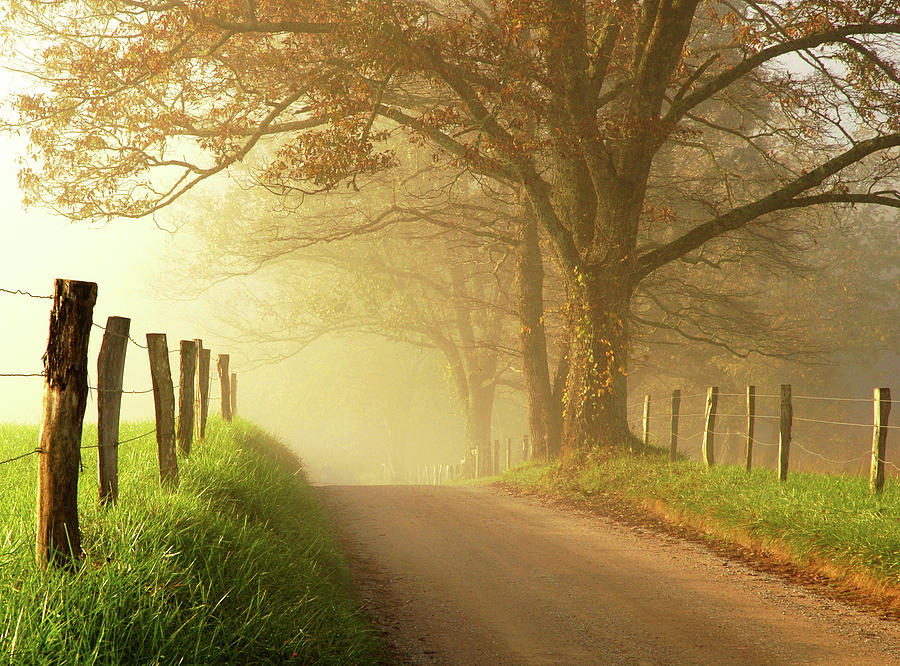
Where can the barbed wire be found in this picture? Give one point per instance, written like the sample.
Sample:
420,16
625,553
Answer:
119,335
743,416
19,457
175,387
84,446
826,459
23,374
818,397
844,423
22,292
121,441
696,434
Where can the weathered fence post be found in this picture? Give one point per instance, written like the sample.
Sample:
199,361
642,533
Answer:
224,386
495,461
508,450
188,367
645,421
712,401
164,403
881,406
673,426
65,399
751,415
202,394
784,432
110,372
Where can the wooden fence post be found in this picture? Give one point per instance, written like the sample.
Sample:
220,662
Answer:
751,415
881,405
110,372
201,411
673,427
712,401
187,367
495,460
224,386
233,396
477,452
65,399
784,432
164,403
645,421
508,450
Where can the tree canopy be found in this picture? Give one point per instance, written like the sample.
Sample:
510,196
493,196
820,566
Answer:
577,106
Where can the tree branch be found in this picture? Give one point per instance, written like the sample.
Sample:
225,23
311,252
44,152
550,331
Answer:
780,199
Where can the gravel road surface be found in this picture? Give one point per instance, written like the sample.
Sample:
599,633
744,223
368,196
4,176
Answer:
475,576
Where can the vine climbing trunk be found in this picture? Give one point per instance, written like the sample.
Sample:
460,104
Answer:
596,390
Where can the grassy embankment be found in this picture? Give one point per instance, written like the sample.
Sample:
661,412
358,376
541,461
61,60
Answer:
830,525
236,566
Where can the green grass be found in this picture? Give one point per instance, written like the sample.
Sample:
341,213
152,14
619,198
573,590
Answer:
815,517
236,566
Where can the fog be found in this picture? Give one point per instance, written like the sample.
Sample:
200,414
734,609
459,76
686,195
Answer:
357,408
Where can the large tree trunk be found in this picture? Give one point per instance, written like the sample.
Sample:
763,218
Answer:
535,371
596,390
479,413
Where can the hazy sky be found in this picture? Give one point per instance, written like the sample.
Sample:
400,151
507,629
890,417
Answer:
123,258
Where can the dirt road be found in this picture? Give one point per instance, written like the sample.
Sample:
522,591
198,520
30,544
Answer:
474,576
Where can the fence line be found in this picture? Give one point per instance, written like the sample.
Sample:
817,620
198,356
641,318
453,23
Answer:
71,322
881,400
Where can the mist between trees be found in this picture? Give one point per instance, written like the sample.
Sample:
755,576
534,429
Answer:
519,211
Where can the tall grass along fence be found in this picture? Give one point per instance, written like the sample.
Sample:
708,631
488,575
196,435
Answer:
66,390
776,413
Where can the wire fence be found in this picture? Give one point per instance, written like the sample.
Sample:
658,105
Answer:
91,388
822,417
83,447
58,473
